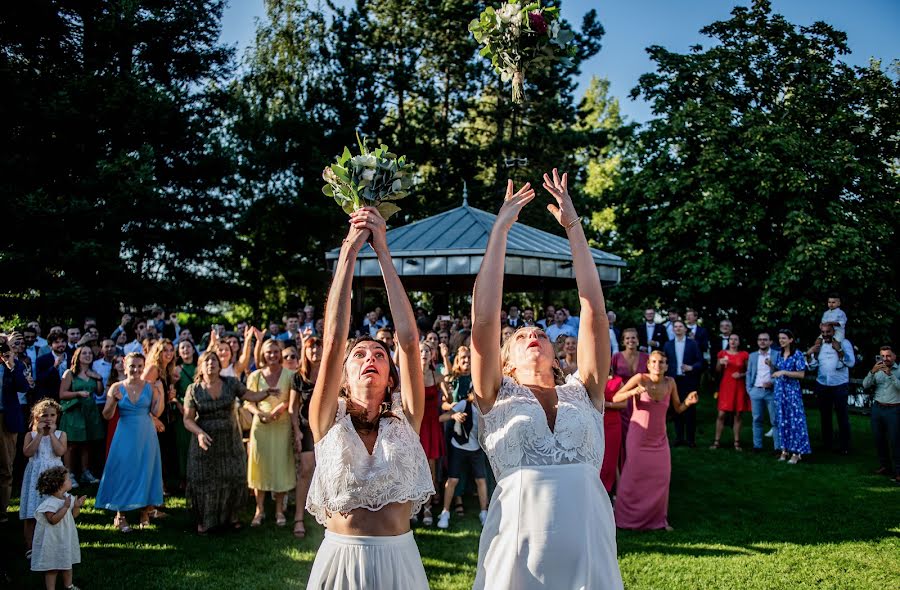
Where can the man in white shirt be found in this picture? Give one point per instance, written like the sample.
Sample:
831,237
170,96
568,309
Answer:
559,327
103,365
760,387
549,317
140,332
39,342
672,317
833,359
615,335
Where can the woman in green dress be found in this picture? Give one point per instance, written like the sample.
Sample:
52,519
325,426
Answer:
185,371
217,463
271,464
80,418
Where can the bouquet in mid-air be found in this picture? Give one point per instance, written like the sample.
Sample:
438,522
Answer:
518,37
373,178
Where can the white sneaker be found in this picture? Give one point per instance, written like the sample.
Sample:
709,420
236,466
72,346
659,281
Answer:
482,516
73,480
444,520
771,433
88,478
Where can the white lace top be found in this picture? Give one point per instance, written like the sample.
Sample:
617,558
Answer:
348,477
515,432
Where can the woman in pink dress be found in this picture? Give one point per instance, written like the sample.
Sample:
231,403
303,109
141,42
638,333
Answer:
626,364
642,500
612,434
733,398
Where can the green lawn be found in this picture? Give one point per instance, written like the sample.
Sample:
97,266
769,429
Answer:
742,522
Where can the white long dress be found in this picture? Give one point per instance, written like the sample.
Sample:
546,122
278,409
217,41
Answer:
550,523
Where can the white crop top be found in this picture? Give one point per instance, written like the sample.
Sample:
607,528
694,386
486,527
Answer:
348,477
515,432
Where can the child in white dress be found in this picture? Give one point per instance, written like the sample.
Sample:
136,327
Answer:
55,547
44,447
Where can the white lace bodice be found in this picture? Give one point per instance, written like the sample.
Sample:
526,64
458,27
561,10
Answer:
348,477
515,432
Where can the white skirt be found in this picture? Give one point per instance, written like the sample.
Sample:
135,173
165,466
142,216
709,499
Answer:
346,562
549,527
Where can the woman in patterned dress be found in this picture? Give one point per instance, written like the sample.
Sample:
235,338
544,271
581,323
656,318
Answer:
790,368
217,463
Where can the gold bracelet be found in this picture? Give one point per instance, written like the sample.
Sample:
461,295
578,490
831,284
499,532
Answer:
572,223
350,245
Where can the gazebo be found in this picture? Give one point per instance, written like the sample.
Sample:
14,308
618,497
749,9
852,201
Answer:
442,254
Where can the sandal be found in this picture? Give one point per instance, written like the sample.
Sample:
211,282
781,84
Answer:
299,529
784,456
122,524
258,519
280,520
427,519
459,509
737,446
795,458
158,514
715,445
28,555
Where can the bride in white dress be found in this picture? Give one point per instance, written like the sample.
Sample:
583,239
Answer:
550,523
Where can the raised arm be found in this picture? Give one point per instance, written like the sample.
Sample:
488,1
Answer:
406,335
593,326
632,388
678,405
324,401
487,299
243,363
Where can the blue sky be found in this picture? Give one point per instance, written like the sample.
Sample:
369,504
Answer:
872,26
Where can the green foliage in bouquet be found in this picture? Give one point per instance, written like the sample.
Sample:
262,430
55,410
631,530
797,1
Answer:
517,38
373,178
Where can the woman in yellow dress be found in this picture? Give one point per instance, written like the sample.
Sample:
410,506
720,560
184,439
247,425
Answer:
271,464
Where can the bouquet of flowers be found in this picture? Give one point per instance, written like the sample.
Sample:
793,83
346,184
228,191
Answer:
517,37
373,178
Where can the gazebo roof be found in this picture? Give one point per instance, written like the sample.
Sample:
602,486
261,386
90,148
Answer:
445,252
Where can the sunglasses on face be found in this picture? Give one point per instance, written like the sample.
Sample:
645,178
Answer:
289,357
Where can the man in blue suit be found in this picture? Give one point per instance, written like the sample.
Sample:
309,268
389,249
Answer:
685,363
760,387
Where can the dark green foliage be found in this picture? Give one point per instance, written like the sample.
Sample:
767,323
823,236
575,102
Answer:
111,168
767,179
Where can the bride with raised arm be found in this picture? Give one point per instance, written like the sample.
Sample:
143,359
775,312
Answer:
371,472
550,523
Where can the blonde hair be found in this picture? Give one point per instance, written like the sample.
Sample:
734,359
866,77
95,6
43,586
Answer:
456,370
155,359
40,407
261,360
509,370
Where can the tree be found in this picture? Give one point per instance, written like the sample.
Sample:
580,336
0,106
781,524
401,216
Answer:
112,167
766,179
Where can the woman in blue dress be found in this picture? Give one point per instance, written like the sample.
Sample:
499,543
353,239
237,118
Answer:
790,367
132,478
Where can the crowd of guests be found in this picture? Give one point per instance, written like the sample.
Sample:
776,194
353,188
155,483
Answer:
152,410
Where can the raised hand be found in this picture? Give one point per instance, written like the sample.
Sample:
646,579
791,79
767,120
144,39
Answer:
356,236
691,399
513,203
558,187
79,502
369,218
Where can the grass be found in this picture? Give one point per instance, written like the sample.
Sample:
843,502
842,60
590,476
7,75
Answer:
743,521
